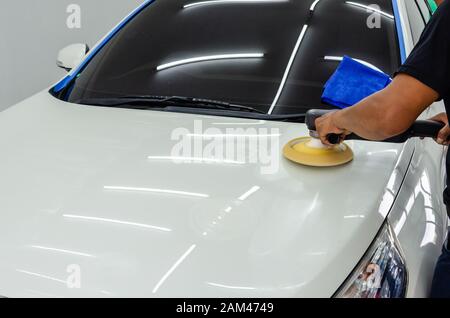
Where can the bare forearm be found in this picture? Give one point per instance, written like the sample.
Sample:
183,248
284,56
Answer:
389,112
385,114
368,119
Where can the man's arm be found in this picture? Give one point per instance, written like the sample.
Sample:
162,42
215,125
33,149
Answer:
385,114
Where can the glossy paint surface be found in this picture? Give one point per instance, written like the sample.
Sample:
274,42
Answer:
418,216
93,187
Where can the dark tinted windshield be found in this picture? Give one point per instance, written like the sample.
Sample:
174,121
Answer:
256,53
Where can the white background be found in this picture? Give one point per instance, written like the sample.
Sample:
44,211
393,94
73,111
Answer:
33,31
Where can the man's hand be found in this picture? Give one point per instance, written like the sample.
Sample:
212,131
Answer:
326,125
444,134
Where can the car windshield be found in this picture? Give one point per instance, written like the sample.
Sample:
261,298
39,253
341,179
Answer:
271,55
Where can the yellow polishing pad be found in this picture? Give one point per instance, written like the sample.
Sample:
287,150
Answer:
310,152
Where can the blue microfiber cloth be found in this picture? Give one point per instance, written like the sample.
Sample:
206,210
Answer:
352,82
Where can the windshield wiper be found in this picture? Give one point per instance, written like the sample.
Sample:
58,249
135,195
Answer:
295,118
152,102
191,105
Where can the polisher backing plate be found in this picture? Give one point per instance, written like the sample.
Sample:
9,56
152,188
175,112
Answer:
303,151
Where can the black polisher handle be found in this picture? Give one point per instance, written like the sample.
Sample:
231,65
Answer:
420,128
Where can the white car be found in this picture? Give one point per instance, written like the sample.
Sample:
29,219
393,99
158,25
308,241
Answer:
154,168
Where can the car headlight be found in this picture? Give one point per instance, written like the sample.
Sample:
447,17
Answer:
381,273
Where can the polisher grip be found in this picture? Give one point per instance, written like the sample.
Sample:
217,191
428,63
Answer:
310,120
420,128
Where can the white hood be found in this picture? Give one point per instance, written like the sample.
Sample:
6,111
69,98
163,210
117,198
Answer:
90,189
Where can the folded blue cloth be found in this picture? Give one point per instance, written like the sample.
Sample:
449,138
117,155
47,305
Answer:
352,82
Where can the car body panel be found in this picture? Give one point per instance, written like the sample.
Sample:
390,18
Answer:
418,216
286,239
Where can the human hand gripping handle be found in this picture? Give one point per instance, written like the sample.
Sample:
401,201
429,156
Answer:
335,135
437,128
444,134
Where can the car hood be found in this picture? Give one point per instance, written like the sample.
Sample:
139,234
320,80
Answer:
95,202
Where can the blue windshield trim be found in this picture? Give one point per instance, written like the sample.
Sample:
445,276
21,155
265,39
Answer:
401,37
66,80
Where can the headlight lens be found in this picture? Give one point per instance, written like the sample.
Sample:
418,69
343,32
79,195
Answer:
381,273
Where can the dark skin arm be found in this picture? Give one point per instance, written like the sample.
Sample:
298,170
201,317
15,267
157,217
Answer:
385,114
